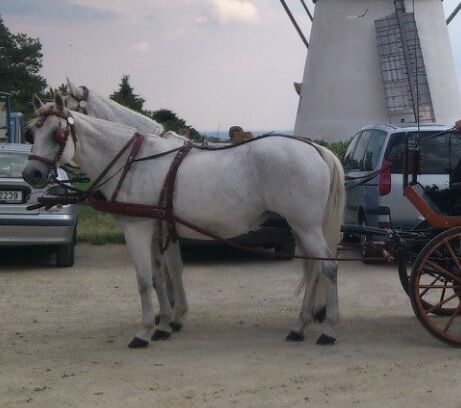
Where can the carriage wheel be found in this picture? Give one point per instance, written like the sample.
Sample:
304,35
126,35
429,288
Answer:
435,286
404,276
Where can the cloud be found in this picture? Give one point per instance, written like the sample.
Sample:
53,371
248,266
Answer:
65,10
234,11
142,47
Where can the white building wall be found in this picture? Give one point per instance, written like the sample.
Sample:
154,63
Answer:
440,67
342,87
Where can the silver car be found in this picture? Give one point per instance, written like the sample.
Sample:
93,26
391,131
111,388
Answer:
55,228
380,201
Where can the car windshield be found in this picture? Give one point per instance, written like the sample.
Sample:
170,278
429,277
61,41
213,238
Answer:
439,155
12,164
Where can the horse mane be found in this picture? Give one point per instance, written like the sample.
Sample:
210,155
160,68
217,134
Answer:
115,106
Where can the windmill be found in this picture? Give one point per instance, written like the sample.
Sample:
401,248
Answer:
376,61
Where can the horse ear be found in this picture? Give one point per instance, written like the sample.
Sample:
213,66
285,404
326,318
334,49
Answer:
71,88
59,101
36,102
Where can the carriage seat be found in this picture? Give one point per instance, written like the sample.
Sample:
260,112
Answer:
431,209
448,200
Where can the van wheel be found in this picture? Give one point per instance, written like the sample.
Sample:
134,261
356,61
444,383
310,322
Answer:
365,250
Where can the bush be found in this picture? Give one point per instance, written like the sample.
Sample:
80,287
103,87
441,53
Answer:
338,148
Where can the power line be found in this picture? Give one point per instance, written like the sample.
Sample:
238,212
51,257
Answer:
453,14
284,4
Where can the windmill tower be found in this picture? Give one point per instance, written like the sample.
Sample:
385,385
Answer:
376,61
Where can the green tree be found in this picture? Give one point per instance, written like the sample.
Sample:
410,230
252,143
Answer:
20,64
125,95
48,95
171,121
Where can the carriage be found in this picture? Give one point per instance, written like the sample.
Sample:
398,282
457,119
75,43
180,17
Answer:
429,255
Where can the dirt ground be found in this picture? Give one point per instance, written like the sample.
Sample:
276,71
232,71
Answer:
64,336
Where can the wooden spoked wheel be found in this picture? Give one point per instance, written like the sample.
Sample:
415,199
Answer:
435,286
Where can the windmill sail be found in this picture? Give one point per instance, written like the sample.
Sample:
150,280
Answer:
406,87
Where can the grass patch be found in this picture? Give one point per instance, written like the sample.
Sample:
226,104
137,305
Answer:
97,228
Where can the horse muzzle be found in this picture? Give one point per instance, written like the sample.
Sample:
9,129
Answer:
36,174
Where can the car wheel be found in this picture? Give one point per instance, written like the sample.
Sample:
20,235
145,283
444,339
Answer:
285,251
65,253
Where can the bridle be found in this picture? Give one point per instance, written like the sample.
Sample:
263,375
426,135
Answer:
61,137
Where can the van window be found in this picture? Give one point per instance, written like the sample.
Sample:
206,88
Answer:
359,153
347,159
373,150
440,154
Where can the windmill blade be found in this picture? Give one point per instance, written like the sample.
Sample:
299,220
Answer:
307,10
284,4
453,14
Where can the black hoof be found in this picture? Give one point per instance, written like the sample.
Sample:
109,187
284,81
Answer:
175,326
320,314
325,340
138,343
160,335
157,320
294,336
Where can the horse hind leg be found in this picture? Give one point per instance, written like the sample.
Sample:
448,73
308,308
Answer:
305,315
313,244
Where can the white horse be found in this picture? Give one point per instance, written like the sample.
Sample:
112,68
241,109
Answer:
279,175
83,99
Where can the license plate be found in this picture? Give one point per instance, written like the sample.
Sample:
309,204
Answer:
10,196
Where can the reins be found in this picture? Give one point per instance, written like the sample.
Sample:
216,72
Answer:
163,211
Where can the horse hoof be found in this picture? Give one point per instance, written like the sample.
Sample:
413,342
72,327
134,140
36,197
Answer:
175,326
138,343
160,335
295,336
157,320
326,340
320,314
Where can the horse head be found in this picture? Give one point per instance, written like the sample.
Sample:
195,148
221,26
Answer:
76,99
50,134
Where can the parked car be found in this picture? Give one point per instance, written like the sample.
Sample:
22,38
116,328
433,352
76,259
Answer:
380,201
55,228
274,233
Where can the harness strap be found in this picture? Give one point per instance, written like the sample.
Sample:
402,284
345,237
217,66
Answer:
166,197
112,162
137,142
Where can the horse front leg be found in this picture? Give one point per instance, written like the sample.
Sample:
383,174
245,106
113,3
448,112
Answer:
138,236
174,266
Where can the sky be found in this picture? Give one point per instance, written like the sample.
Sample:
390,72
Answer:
216,63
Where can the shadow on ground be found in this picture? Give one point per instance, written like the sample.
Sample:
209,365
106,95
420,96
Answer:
27,257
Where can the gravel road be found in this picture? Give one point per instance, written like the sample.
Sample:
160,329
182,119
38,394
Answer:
64,336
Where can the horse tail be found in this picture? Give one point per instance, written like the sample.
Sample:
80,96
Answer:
336,199
333,219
